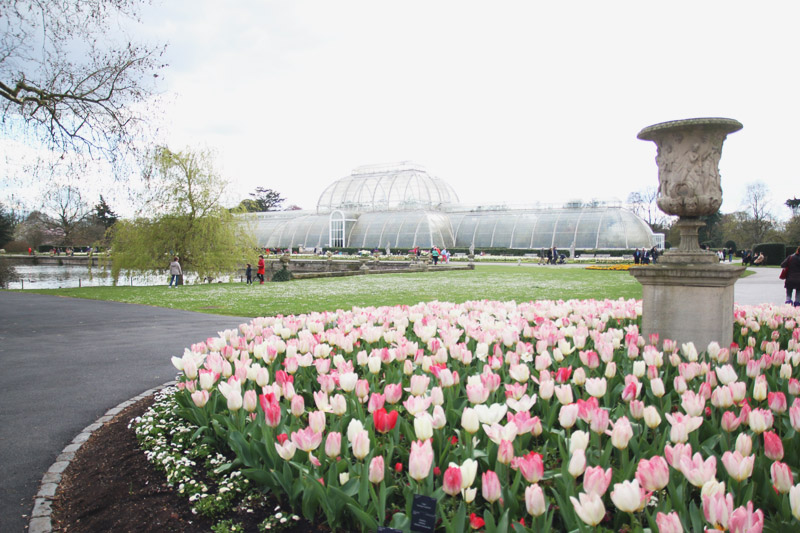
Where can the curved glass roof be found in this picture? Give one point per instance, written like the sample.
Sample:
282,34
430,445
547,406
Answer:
400,186
586,228
404,230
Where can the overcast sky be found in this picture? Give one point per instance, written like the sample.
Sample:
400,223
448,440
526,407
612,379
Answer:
510,102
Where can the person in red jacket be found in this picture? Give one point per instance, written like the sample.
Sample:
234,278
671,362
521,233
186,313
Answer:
792,283
261,271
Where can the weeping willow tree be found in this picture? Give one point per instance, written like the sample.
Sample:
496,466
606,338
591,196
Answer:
181,216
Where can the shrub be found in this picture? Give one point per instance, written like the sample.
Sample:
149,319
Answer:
7,273
283,274
774,252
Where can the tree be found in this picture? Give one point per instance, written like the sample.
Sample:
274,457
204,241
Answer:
267,199
67,210
67,82
182,217
34,230
758,218
103,214
794,205
643,204
7,226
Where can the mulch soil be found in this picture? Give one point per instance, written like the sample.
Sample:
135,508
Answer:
110,486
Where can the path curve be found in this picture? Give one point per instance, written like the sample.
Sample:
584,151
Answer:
65,362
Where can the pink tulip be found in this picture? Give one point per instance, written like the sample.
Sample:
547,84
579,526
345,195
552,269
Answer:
738,466
393,393
744,520
333,444
599,422
286,450
589,508
717,509
669,523
628,496
306,439
200,398
653,474
693,403
420,459
730,422
534,500
298,405
596,480
530,466
505,452
568,415
477,393
376,401
697,471
452,480
362,389
782,478
777,402
794,417
419,384
490,486
316,421
622,433
361,444
773,447
638,410
250,401
760,420
376,469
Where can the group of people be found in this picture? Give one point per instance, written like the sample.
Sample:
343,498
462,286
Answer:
248,272
751,258
645,257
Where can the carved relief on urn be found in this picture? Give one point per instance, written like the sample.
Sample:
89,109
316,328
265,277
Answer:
688,163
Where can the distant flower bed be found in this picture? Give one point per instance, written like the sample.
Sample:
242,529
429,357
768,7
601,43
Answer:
625,267
526,417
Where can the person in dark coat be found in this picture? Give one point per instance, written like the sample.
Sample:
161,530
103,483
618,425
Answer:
792,283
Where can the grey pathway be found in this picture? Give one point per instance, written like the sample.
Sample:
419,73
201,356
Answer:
760,288
63,363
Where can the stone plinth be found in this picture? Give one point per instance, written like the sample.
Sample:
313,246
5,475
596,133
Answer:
688,302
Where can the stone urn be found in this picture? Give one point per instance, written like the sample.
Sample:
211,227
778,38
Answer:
688,296
688,176
285,258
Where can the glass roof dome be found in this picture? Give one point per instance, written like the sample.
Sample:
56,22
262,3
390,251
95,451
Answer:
404,186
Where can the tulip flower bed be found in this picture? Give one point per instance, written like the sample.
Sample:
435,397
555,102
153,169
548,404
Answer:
513,417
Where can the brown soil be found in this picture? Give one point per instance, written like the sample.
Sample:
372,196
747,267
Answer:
110,486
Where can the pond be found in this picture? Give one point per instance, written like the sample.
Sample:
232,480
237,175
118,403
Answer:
68,276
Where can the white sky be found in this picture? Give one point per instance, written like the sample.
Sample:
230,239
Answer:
508,101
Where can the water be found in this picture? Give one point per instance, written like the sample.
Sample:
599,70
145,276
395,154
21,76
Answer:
68,276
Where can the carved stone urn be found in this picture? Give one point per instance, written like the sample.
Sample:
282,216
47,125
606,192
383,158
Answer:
688,295
688,175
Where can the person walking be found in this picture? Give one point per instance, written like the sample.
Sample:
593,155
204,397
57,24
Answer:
248,274
174,271
435,255
792,283
261,270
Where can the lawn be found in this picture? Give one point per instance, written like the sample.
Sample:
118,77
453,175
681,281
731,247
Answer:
491,282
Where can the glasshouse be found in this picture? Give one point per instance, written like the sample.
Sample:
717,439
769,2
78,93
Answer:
401,206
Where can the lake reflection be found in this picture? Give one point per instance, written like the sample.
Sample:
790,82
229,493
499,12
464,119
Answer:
68,276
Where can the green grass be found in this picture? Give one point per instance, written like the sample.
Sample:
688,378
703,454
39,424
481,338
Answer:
492,282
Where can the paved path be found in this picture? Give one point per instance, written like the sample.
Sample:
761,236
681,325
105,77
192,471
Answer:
64,363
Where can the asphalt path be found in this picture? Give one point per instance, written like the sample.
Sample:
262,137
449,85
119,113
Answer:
65,362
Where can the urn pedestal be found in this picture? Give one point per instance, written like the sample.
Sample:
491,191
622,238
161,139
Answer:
688,295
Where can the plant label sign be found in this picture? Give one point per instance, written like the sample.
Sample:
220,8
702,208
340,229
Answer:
383,529
423,514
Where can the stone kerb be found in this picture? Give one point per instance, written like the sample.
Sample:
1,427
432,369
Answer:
41,517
